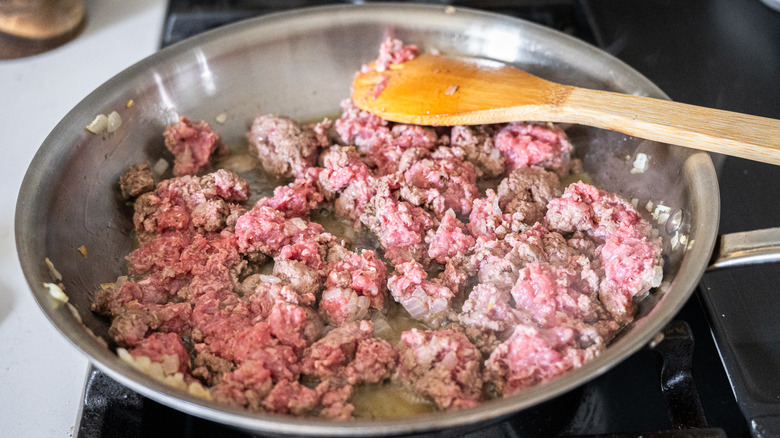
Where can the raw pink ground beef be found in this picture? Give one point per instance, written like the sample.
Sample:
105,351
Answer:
532,144
516,282
192,144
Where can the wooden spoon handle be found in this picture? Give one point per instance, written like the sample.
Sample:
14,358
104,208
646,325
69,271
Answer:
725,132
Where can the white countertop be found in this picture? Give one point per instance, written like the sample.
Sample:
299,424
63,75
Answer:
41,373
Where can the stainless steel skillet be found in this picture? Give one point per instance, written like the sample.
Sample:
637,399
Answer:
301,64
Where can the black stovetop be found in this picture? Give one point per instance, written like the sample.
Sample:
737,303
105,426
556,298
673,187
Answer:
719,53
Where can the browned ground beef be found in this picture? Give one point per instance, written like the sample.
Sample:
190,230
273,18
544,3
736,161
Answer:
270,311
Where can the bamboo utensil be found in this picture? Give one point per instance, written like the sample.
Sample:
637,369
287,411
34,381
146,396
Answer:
443,90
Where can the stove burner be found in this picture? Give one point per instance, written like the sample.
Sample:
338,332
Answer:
190,17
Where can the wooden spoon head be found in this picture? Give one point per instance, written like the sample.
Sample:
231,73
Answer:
444,90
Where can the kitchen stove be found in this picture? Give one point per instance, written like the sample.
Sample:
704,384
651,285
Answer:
719,53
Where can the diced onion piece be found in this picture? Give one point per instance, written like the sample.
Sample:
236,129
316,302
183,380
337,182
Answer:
221,118
661,213
161,372
270,279
114,121
83,251
451,90
53,270
640,163
56,293
130,103
75,312
381,326
362,307
160,166
99,125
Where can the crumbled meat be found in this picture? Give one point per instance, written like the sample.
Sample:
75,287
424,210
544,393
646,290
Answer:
393,51
137,180
399,225
165,348
277,314
488,307
450,240
298,198
302,278
192,144
533,144
375,360
210,368
442,365
247,386
488,221
288,397
533,355
171,204
362,273
475,144
425,300
526,191
282,145
441,182
553,295
630,256
337,348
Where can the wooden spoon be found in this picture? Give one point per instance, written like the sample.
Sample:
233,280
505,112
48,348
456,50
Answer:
442,90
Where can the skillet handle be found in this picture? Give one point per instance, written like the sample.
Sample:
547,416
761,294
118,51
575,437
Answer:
746,248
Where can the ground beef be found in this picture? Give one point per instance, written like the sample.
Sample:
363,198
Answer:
442,365
333,401
489,222
267,230
209,367
630,256
450,240
632,266
380,144
166,349
441,182
375,360
425,300
362,273
475,145
137,180
295,325
247,386
282,145
583,207
533,355
392,51
553,295
488,307
327,358
526,191
274,310
298,198
300,277
399,225
339,306
534,144
192,143
172,203
360,128
134,321
288,397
